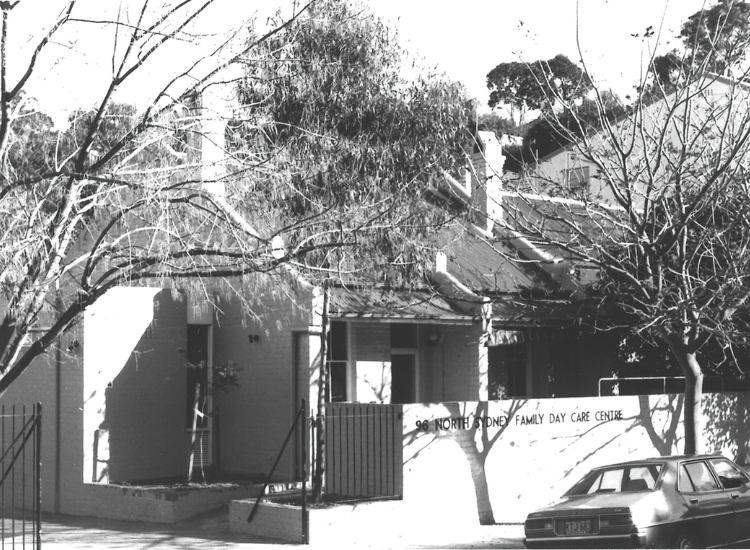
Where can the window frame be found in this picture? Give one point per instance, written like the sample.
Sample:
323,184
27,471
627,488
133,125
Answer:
577,177
684,471
345,362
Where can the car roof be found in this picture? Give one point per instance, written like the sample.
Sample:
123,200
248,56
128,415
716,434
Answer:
671,459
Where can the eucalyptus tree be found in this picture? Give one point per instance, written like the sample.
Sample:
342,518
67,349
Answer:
354,142
126,196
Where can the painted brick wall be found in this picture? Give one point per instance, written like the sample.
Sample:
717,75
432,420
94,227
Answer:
56,380
461,377
524,454
254,420
134,386
449,367
145,405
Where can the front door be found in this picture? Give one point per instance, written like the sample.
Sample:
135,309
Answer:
403,378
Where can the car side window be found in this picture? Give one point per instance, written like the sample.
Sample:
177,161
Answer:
729,476
608,481
642,477
695,477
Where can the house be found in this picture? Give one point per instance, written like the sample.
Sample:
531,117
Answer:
707,107
499,322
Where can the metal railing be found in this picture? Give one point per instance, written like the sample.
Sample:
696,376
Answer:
653,385
364,450
20,481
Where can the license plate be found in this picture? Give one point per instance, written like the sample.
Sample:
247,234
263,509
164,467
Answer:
581,527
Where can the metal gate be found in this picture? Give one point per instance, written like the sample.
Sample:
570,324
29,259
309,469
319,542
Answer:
364,450
20,484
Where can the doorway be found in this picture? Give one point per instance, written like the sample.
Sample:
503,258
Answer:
403,378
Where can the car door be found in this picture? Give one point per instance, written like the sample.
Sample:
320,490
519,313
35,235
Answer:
736,483
710,506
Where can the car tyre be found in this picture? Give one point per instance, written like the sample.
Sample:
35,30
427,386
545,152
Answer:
685,539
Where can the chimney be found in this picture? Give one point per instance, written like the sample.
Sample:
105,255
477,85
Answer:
486,179
216,110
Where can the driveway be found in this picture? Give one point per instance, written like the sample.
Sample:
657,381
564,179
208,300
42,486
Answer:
211,530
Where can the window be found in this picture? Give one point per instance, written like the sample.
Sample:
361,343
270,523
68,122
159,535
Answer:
198,374
507,371
338,361
618,479
641,478
729,476
695,477
404,342
577,177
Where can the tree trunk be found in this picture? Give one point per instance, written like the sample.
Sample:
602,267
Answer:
482,493
691,369
320,436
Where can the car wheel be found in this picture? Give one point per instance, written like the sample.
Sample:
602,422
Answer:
685,539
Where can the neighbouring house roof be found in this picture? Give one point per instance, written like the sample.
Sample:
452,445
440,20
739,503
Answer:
488,265
518,293
558,220
704,81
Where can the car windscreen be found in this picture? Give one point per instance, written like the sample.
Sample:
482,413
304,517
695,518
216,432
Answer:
618,479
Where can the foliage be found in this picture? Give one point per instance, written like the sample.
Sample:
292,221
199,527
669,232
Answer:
355,147
717,37
337,152
224,376
492,122
713,40
521,84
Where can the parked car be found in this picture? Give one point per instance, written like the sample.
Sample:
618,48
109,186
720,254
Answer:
693,501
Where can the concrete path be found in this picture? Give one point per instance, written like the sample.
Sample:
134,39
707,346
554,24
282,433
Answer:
211,531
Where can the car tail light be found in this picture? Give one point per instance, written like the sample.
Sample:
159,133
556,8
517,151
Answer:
540,523
615,520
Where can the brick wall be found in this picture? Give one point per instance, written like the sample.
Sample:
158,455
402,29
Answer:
135,386
254,420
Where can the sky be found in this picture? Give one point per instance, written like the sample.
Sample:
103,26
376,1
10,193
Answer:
463,39
467,39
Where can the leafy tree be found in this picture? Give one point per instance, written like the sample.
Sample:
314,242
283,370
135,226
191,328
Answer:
492,122
355,148
520,84
352,141
717,38
665,220
713,40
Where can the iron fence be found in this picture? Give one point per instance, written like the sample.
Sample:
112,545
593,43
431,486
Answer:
20,484
364,450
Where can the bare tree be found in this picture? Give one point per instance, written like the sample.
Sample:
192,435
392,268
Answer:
130,196
657,233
